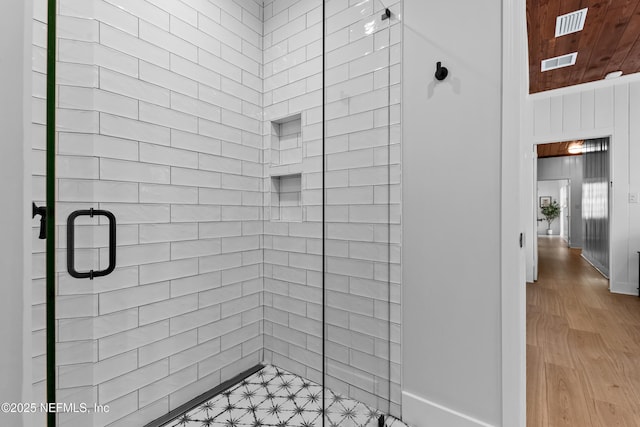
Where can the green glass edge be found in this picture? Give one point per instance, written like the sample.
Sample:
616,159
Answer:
51,202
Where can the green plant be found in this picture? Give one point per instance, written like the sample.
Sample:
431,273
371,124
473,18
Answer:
551,212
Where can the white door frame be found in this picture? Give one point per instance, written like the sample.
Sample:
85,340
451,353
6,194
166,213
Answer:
568,197
565,138
513,236
16,195
534,236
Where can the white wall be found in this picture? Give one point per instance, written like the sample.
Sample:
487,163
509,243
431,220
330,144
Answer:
453,259
15,194
606,108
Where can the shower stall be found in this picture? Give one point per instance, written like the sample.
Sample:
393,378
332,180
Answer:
224,179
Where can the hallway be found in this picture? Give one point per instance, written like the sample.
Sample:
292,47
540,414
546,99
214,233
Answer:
583,345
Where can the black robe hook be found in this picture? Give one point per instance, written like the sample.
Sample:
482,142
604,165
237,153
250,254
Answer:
441,72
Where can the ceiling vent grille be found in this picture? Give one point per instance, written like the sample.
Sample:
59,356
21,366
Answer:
571,22
559,61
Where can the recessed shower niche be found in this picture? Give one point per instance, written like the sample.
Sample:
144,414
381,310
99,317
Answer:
286,145
286,198
286,169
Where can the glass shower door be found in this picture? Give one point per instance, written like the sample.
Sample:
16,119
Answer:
362,211
159,123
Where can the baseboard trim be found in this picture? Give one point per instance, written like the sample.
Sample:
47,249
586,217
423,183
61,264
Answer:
419,412
623,288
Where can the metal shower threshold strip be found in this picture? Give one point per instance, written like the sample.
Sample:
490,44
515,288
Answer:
172,415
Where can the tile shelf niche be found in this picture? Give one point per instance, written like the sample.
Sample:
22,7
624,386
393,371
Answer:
286,144
286,198
285,169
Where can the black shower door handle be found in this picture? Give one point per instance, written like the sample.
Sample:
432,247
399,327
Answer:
71,244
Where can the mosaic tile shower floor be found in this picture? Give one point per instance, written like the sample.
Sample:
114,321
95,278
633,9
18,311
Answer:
274,397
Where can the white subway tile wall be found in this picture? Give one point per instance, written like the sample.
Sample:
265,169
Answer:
167,111
363,195
292,109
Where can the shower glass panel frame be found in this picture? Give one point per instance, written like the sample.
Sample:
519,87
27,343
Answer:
249,152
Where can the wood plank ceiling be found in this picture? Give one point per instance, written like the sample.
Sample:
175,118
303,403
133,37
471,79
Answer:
558,149
610,41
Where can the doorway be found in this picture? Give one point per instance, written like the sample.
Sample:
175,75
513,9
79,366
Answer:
576,175
555,191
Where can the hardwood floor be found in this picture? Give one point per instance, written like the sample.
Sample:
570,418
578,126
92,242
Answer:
583,345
